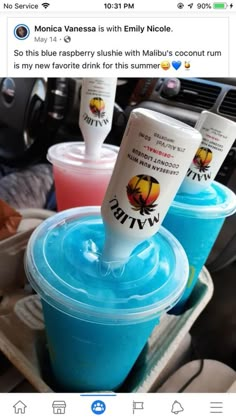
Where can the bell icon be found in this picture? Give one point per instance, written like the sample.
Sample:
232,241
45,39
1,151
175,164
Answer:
176,408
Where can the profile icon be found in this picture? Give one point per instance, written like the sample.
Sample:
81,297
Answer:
21,31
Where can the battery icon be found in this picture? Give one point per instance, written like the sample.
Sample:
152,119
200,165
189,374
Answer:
220,5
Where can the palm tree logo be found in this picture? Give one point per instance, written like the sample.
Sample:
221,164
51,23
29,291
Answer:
142,192
202,159
97,107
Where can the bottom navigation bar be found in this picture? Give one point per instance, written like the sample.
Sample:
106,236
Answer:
111,405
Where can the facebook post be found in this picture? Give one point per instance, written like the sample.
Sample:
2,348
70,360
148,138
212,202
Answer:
117,212
134,45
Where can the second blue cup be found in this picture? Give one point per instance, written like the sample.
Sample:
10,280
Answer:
196,220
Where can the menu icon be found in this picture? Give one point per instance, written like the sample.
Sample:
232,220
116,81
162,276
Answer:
216,407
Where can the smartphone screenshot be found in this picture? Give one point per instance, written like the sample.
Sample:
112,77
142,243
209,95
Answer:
117,209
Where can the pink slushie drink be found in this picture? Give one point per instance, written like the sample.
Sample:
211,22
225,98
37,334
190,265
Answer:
80,181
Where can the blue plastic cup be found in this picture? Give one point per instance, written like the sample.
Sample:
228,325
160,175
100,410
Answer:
98,319
196,220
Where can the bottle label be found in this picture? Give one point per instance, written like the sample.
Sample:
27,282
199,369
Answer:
97,102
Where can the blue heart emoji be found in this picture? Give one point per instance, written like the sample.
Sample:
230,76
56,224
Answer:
176,64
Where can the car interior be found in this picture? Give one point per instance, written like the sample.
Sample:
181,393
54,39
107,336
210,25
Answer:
33,117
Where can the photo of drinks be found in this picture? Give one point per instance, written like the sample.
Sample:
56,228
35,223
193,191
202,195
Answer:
117,236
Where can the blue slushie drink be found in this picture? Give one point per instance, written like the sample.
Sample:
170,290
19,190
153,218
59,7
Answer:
98,321
201,205
106,278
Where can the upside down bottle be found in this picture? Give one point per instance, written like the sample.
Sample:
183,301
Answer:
152,162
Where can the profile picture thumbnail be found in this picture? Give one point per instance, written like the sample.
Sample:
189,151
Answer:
21,31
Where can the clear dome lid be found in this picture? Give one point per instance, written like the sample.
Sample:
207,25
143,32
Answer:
73,154
63,265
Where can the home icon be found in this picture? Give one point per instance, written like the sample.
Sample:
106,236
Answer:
19,407
59,407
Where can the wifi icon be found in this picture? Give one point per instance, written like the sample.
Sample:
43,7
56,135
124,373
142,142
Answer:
45,5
